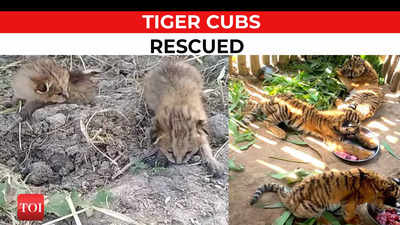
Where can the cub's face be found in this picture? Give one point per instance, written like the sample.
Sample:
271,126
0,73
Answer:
54,89
353,67
392,193
181,141
350,124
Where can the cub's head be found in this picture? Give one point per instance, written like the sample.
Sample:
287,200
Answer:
353,67
50,80
349,123
391,192
179,133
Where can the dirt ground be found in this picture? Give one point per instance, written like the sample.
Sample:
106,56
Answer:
53,154
258,165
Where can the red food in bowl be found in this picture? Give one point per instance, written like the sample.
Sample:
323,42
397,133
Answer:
388,217
347,156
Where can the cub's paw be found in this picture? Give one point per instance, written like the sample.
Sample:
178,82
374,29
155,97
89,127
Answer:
215,168
367,139
357,151
363,154
276,131
156,160
161,160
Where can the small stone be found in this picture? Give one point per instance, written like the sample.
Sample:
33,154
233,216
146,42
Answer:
218,128
57,119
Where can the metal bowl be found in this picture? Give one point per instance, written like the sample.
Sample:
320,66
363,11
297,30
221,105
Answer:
351,141
372,212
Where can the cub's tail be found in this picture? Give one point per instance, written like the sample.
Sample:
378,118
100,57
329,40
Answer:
277,188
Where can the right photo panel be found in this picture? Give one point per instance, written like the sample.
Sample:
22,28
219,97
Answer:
313,139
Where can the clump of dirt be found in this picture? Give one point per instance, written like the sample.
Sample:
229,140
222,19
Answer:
86,147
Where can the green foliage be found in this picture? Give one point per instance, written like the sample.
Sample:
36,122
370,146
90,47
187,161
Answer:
3,191
58,205
310,221
276,205
138,166
232,166
238,98
331,218
238,136
294,176
389,149
283,218
314,81
102,198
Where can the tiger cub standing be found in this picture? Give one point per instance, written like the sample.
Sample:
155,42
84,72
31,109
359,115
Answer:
332,126
348,189
362,81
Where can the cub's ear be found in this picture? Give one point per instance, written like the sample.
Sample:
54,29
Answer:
76,76
396,180
201,125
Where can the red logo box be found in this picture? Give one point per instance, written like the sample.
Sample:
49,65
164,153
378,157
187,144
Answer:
30,207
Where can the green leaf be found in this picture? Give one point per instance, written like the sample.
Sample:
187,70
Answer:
233,167
301,172
78,201
290,220
102,198
247,146
57,204
3,191
279,176
276,205
331,218
389,149
297,142
283,218
310,221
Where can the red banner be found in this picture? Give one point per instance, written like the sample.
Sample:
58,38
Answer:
199,22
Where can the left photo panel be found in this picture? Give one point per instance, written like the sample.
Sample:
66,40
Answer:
108,139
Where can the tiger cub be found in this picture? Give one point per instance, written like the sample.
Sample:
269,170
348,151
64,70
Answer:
331,125
42,82
361,80
173,91
348,189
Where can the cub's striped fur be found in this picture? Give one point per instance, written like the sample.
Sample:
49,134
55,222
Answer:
331,125
362,81
315,194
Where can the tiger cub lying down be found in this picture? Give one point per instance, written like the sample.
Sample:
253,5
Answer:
362,81
348,189
332,126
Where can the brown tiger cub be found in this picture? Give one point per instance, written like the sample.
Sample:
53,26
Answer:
348,189
173,91
332,126
362,81
43,82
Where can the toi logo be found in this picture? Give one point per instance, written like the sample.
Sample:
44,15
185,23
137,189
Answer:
30,207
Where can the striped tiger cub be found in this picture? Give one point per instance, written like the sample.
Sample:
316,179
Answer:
326,191
362,81
332,126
